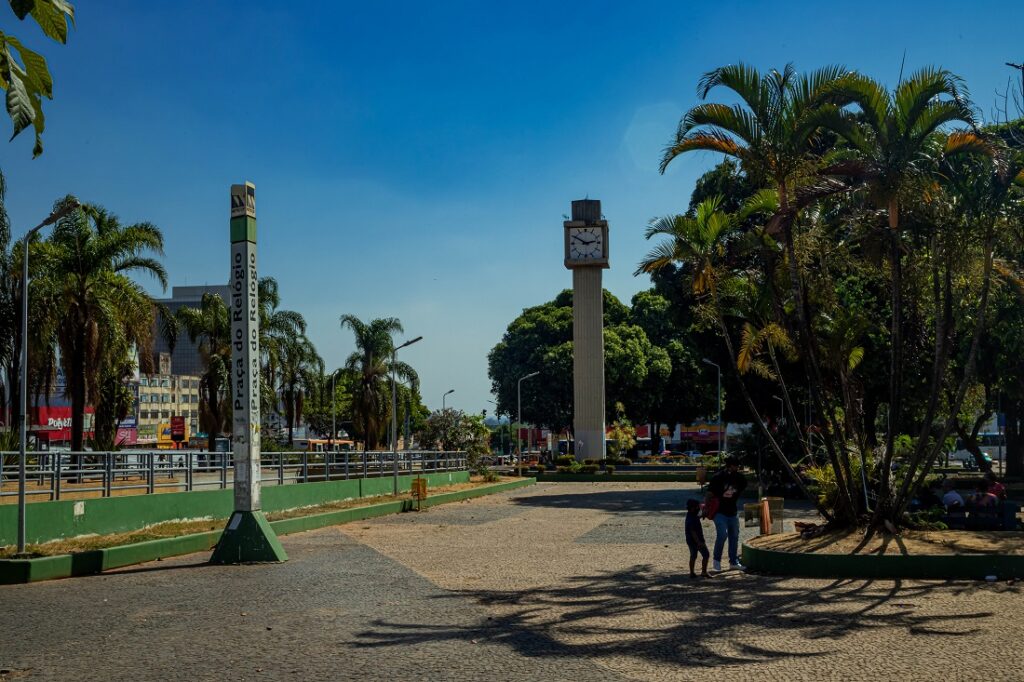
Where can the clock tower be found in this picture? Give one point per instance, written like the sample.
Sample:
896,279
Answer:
586,254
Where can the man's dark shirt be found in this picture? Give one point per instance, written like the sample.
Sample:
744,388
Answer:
725,481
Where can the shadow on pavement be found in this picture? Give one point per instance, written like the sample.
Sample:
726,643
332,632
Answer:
157,565
667,501
731,619
647,501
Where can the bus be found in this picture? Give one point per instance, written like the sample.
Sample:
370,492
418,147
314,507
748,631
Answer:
325,445
991,445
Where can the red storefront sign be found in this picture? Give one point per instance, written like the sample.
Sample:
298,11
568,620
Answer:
177,429
55,422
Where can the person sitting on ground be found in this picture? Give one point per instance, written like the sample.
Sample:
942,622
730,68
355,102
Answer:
994,486
951,499
726,486
983,499
695,538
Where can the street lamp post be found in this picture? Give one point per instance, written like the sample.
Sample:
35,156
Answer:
519,410
394,408
719,403
67,208
443,397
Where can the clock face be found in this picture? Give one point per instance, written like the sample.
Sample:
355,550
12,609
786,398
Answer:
586,243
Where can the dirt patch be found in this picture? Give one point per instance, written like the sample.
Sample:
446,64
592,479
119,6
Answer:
911,542
172,529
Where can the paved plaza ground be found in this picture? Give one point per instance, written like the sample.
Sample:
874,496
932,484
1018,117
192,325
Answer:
552,582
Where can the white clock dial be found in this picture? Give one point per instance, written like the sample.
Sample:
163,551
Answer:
586,243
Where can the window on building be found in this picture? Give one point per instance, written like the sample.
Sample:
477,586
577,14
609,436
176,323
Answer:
143,381
165,415
143,397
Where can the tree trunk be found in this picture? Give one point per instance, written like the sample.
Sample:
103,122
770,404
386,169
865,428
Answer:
77,379
970,440
212,407
870,417
289,409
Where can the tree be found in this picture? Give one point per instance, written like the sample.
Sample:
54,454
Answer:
799,286
299,368
453,430
209,326
91,305
700,244
370,367
540,340
27,79
278,329
888,137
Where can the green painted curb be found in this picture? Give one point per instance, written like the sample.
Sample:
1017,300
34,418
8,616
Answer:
924,566
96,561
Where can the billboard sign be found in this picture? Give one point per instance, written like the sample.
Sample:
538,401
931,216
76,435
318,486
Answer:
177,429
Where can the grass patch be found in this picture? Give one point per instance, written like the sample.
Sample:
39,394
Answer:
172,529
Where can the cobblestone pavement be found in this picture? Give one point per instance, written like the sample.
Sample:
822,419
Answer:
552,582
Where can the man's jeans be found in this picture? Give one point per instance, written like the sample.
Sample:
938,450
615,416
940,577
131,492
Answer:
727,526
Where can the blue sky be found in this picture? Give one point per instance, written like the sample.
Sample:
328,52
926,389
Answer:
416,159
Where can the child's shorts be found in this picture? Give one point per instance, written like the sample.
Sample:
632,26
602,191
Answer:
695,548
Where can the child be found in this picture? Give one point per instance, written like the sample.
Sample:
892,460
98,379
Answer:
695,538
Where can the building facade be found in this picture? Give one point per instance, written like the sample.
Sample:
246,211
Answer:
162,396
187,359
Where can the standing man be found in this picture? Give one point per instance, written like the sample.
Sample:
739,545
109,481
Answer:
726,486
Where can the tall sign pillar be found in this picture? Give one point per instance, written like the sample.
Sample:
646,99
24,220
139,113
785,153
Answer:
248,536
586,254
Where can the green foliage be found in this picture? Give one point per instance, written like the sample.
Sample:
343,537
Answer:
454,430
90,310
622,436
609,469
589,469
623,461
565,460
540,468
370,367
652,381
926,519
24,74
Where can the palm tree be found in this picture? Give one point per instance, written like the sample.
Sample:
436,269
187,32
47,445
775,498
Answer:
209,326
369,367
775,131
299,371
90,303
889,138
277,329
699,244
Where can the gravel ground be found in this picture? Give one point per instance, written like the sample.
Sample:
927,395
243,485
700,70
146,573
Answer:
553,582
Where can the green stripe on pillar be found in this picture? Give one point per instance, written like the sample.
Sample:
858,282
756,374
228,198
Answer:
243,229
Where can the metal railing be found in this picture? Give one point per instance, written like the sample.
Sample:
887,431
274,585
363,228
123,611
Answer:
54,475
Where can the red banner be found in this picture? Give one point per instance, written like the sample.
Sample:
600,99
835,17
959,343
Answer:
54,423
177,429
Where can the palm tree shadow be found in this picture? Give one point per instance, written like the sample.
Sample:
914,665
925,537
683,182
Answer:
712,622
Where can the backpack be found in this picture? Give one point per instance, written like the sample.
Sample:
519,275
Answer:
711,507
